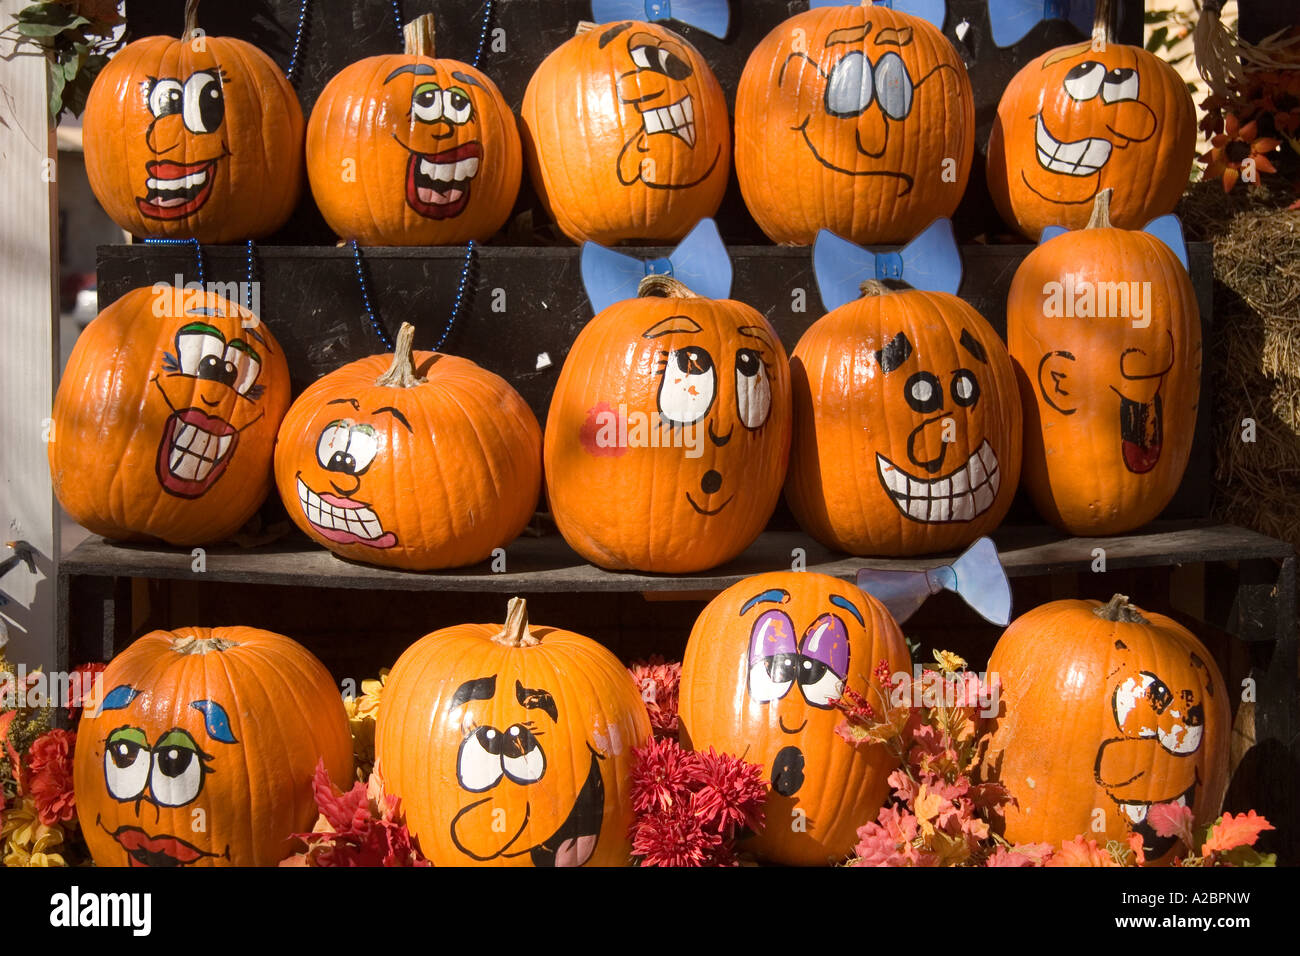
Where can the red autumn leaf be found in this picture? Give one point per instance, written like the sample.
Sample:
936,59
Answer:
1172,819
1080,852
1230,832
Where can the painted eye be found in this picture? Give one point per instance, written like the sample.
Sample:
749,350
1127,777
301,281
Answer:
893,86
177,774
661,60
332,446
166,97
688,386
1119,85
205,104
850,86
201,352
1184,737
1084,81
478,765
126,763
643,55
753,390
923,392
246,364
827,641
522,756
965,387
427,103
456,105
820,685
1127,696
770,677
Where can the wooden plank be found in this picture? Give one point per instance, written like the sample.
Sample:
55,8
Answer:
29,346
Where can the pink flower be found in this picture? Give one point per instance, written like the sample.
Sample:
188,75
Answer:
49,767
661,777
675,837
659,682
729,793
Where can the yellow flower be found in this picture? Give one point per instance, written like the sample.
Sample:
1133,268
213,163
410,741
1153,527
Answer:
949,662
27,841
372,692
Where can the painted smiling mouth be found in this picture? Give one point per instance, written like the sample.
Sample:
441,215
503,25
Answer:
706,511
676,118
194,452
1136,815
1142,432
144,850
343,520
1083,157
438,184
575,841
174,190
960,495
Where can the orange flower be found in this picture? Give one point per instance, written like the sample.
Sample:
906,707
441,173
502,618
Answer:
1239,152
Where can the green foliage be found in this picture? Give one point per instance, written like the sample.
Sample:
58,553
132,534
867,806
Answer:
77,46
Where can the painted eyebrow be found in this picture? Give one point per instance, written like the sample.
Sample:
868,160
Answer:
674,323
466,78
215,721
396,414
754,332
418,69
848,34
345,401
896,351
540,699
770,596
845,603
969,343
201,327
481,688
891,37
119,697
612,32
1065,52
252,331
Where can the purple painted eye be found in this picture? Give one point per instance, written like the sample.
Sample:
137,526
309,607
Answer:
824,661
772,657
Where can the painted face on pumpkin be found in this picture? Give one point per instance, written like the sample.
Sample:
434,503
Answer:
505,753
781,658
209,383
1160,723
187,117
151,769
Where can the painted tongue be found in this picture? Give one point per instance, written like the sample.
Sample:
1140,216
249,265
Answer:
575,851
1141,434
435,198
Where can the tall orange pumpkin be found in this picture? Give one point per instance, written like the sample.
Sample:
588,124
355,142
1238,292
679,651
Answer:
1104,331
907,425
626,134
1106,709
407,149
416,460
202,748
748,649
194,138
668,432
512,746
165,417
1083,118
854,118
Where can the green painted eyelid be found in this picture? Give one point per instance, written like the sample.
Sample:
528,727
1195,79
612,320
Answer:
426,86
246,349
203,328
365,429
132,734
177,738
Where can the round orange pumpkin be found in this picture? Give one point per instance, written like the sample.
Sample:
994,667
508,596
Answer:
415,460
194,138
1083,118
907,425
407,149
626,134
1110,710
748,649
857,119
202,747
1104,331
165,417
512,746
668,432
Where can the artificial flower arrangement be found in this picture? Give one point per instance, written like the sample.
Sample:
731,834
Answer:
1245,132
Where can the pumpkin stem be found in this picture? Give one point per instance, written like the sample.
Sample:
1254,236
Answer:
665,287
401,374
515,633
1103,24
201,645
584,26
191,19
1119,610
418,36
872,287
1100,218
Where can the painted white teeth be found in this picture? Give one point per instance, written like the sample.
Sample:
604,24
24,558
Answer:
960,496
676,118
195,452
450,172
1137,812
185,182
1081,158
362,522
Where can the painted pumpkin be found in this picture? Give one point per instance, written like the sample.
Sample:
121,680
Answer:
416,460
1087,117
857,119
1104,331
165,418
907,425
512,746
668,432
764,665
196,138
202,747
407,149
626,134
1106,711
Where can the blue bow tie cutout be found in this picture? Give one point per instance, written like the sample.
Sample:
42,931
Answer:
930,262
977,576
700,262
711,16
1168,229
1012,19
932,10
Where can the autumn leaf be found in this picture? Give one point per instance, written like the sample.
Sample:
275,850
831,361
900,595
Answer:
1229,832
1172,820
1081,852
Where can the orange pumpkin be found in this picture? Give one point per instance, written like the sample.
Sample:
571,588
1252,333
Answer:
407,149
857,119
194,138
416,460
626,134
748,649
1083,118
1106,711
907,425
668,432
1104,331
165,417
202,748
512,746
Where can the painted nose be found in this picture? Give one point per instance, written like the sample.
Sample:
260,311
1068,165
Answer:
916,445
1133,120
711,482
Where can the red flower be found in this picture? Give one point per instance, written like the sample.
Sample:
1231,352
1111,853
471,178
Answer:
659,683
730,792
80,687
661,776
49,766
676,837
